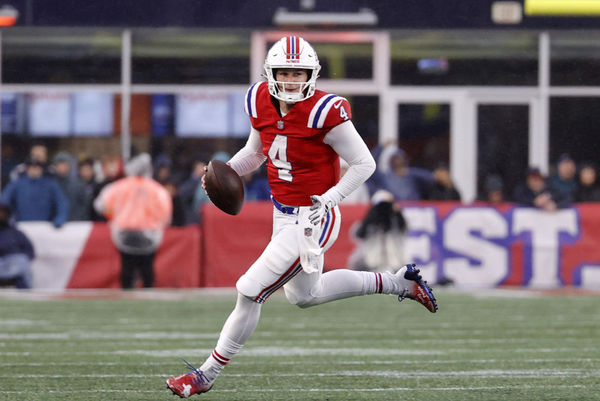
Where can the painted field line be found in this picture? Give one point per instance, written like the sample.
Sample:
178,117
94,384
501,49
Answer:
493,373
321,390
301,363
77,335
270,352
286,352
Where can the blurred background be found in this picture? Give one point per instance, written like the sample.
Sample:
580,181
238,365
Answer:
488,88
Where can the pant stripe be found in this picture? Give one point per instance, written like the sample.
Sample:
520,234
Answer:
326,227
329,229
285,277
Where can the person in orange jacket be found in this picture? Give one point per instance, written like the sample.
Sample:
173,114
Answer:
138,209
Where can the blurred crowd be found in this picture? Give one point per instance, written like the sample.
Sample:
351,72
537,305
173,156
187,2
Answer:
63,188
66,188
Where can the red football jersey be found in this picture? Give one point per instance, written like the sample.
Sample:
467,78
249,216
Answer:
299,163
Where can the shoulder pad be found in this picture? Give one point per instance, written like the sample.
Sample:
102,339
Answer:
320,111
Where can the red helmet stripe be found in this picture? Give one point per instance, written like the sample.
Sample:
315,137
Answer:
288,49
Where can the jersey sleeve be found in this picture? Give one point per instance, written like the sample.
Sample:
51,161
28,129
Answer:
329,111
250,100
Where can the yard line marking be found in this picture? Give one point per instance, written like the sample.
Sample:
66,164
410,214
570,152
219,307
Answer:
528,373
258,352
300,363
74,335
321,390
284,352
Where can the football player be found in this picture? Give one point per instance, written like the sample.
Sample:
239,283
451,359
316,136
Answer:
301,133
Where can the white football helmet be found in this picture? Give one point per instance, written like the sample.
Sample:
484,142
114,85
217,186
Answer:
292,52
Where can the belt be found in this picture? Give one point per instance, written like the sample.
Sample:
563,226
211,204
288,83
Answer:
285,209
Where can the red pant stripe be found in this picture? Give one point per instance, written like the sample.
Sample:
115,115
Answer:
284,278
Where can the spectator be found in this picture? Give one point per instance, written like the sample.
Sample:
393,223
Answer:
381,235
37,197
564,181
588,188
38,152
256,186
162,168
178,215
72,187
493,189
112,170
200,198
536,193
16,252
187,190
87,175
404,182
442,187
138,209
360,195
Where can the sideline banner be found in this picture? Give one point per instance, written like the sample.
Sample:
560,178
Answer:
474,246
82,255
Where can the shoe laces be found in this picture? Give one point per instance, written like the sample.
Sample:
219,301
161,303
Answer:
199,376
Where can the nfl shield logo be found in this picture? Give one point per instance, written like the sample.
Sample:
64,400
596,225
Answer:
307,231
280,124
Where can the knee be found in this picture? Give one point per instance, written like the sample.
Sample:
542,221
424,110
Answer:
248,287
301,300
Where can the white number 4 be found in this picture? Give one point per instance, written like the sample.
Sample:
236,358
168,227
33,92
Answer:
278,156
343,113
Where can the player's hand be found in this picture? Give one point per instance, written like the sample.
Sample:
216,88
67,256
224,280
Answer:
319,209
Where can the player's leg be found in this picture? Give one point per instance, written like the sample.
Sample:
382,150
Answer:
277,264
307,290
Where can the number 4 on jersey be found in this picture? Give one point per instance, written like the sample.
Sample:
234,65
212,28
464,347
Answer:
278,156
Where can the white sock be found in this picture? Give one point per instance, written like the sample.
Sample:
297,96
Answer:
237,329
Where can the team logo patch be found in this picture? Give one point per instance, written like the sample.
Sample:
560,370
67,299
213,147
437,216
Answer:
308,231
279,124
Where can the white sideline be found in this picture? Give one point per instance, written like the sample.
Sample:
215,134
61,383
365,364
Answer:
395,374
322,390
294,363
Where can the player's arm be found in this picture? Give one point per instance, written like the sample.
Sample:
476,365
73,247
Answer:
250,157
349,145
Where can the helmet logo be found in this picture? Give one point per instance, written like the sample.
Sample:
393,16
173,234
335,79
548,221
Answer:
292,50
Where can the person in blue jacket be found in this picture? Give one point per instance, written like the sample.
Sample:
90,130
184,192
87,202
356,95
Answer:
36,197
16,252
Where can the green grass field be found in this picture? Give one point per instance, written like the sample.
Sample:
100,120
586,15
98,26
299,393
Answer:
499,345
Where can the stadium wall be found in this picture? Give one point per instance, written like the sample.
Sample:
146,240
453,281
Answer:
474,246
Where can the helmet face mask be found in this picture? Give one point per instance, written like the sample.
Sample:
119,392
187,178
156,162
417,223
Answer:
292,52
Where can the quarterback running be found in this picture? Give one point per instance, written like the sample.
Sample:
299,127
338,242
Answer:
301,133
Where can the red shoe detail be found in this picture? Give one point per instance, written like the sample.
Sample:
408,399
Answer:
420,291
194,382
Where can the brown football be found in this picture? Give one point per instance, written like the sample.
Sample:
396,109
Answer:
224,187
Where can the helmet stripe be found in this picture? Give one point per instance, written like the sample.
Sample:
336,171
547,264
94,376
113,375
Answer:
292,51
297,47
